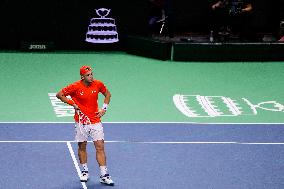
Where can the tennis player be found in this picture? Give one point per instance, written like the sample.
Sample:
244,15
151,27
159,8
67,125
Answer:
84,99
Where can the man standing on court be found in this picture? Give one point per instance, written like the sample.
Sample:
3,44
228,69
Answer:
84,99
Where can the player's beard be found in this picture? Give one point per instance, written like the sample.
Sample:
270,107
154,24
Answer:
90,80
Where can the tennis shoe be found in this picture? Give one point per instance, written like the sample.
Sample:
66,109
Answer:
106,179
84,176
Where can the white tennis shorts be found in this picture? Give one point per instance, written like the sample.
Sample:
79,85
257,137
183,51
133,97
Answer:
83,132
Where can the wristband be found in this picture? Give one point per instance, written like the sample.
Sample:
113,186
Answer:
70,102
105,106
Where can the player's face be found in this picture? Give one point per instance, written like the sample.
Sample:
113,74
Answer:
88,77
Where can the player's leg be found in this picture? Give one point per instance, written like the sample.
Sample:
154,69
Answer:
101,159
97,135
82,138
82,154
100,152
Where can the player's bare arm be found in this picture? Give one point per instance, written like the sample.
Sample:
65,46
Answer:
103,110
64,99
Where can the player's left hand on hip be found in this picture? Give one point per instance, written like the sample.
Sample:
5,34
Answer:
100,113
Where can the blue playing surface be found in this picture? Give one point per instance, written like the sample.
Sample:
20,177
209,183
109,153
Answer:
146,155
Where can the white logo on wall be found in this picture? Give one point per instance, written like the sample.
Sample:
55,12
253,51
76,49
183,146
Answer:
60,108
102,30
37,47
217,106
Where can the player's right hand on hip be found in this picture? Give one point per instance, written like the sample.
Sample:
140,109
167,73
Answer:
76,107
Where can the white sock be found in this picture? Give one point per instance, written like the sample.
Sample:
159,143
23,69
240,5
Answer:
103,170
85,167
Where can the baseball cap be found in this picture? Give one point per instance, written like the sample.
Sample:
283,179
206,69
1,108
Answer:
85,69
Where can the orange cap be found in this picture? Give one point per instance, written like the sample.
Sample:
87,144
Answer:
85,69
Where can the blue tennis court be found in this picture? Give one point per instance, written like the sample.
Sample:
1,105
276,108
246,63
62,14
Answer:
146,155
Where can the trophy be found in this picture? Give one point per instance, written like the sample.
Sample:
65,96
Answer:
103,29
102,12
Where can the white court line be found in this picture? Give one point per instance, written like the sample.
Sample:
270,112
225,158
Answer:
158,142
75,163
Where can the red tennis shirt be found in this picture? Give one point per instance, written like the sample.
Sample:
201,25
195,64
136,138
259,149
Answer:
86,97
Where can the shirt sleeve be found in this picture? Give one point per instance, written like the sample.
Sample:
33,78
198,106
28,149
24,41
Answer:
69,89
102,87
